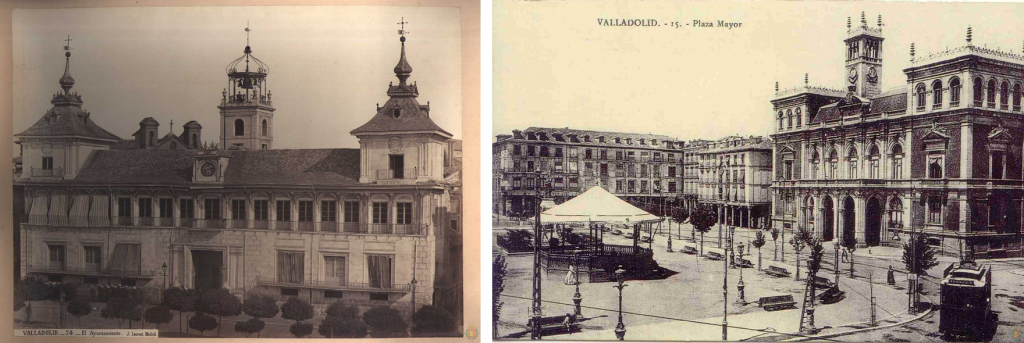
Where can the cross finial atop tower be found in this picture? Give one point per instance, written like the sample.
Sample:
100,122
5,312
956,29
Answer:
247,32
402,30
67,47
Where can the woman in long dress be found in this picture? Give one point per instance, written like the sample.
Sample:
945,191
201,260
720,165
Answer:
570,277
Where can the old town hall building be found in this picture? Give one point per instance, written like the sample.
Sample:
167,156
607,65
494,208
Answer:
374,225
938,155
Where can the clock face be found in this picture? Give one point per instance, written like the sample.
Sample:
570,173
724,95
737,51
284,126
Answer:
208,169
853,75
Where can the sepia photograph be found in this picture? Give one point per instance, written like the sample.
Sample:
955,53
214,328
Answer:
271,172
757,171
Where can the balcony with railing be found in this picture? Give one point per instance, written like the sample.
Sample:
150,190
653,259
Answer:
260,224
285,225
91,271
397,175
329,226
146,221
335,285
212,223
42,172
123,221
305,225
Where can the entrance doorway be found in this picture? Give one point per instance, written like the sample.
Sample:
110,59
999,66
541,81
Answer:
849,218
207,267
873,222
828,227
397,165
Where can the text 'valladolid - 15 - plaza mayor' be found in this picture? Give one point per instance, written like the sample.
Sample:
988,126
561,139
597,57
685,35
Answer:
375,228
886,210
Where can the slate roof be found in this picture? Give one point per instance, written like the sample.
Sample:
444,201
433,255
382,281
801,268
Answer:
67,118
609,137
255,167
413,118
892,100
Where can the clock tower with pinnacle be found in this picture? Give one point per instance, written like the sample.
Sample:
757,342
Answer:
864,58
246,112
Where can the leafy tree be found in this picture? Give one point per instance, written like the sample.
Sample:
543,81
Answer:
759,242
20,298
219,302
300,329
553,242
158,315
63,293
813,263
123,309
850,243
499,270
924,255
516,240
775,244
202,322
342,327
33,289
79,308
385,322
799,242
339,309
702,220
259,306
249,327
181,300
433,321
679,217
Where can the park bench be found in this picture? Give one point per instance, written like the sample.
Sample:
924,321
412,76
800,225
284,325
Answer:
629,235
692,250
645,239
822,283
831,295
744,263
714,255
553,325
777,271
777,302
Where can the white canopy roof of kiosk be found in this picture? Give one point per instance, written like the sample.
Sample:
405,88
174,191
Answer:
596,205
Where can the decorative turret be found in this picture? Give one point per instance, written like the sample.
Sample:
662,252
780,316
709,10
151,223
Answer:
247,114
66,81
864,58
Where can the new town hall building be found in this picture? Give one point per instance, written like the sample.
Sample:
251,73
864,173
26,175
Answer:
939,155
369,226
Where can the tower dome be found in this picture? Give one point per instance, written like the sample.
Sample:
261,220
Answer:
66,81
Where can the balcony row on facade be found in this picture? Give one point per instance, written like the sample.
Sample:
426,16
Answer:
608,154
365,214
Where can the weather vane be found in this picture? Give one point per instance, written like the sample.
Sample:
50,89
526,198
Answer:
68,46
247,32
402,31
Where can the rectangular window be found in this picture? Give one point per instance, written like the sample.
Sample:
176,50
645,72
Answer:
935,210
604,154
618,155
328,211
146,207
351,211
380,213
284,210
997,164
166,208
589,154
57,256
187,208
93,257
529,166
403,212
618,186
260,210
604,170
517,150
290,266
48,163
211,208
671,187
380,271
238,209
334,269
531,150
124,207
671,171
935,163
305,210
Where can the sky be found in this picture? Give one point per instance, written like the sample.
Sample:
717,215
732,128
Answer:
554,66
329,66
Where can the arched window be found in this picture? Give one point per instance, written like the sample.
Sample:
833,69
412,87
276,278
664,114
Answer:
852,158
151,138
895,213
809,212
990,93
264,127
195,141
897,162
833,163
954,92
789,114
1004,95
780,120
937,94
239,127
873,159
977,92
799,117
921,96
815,161
1016,97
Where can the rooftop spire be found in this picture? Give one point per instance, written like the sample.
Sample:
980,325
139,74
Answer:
879,21
806,79
403,69
969,34
863,21
911,52
66,81
849,24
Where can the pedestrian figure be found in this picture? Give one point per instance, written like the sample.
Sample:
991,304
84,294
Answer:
567,322
845,257
892,277
570,277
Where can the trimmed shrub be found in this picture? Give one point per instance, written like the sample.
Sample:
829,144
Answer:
385,322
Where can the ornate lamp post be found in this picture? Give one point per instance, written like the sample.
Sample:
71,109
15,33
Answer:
725,299
577,298
620,329
836,245
740,286
163,271
537,241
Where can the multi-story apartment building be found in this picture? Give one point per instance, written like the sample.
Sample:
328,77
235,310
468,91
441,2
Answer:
354,225
939,154
641,168
691,172
734,176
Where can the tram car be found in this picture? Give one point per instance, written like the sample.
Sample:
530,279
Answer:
966,291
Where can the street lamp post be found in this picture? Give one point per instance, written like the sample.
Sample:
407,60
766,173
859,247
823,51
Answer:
537,241
836,245
163,271
740,286
725,298
620,329
577,298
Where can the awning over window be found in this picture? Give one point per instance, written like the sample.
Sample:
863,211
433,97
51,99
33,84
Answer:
80,211
99,215
40,205
59,210
127,260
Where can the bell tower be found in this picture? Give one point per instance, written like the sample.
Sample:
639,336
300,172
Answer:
246,112
864,58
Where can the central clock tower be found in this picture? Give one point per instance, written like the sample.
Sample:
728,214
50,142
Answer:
864,58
